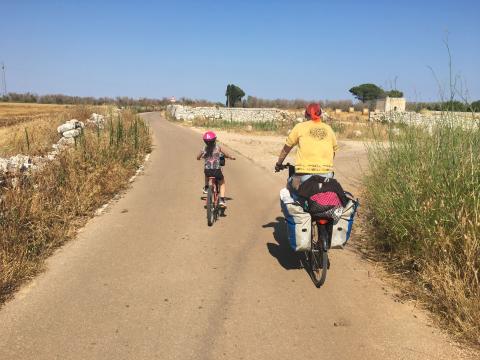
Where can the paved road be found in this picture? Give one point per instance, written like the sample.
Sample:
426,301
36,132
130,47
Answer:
150,280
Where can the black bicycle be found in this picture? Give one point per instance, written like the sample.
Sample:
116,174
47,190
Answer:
316,258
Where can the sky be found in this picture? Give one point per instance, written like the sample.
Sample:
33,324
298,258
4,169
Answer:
271,49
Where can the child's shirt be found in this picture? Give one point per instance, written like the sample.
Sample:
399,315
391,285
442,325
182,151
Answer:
212,157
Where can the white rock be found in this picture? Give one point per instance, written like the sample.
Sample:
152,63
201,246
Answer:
72,133
78,124
97,119
65,127
357,133
66,141
3,165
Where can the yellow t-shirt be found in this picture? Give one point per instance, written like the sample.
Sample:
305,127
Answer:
316,146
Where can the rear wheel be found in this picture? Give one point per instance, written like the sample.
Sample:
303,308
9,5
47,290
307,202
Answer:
318,255
210,206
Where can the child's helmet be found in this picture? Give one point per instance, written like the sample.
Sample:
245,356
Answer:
209,137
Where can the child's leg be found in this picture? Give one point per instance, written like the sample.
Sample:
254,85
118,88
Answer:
206,180
222,188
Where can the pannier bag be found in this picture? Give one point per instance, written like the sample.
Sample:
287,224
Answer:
299,222
343,227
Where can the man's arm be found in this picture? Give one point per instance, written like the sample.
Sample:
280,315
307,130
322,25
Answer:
283,154
200,155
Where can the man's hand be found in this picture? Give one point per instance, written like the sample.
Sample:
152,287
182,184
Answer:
278,167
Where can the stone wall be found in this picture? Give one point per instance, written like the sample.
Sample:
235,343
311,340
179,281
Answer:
182,112
14,166
428,120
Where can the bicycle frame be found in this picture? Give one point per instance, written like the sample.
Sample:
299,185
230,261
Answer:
212,181
211,201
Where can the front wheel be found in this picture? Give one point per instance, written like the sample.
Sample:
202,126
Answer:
318,254
210,206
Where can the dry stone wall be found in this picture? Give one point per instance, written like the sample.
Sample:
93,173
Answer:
428,120
188,113
16,165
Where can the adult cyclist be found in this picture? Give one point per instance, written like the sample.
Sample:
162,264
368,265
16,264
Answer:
316,143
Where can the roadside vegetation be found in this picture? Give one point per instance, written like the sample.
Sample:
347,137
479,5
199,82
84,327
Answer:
423,200
43,209
356,127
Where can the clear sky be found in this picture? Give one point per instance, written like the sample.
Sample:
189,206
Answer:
271,49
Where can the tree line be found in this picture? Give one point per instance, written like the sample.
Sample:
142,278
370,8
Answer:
89,100
248,102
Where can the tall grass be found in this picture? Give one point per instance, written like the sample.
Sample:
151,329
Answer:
271,126
47,206
423,197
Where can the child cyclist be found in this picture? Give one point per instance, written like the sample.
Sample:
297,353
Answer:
211,153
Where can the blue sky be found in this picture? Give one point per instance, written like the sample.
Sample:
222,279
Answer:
272,49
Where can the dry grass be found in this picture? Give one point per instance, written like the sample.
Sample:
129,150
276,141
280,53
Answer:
424,208
46,207
35,135
357,130
14,113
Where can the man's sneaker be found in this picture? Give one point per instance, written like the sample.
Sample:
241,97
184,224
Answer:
222,204
205,189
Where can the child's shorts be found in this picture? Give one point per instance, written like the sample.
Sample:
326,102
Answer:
216,173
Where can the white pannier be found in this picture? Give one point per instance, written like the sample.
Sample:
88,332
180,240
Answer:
299,222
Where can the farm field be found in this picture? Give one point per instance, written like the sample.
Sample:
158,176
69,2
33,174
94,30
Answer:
13,113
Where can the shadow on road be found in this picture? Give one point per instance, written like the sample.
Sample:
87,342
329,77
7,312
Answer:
282,250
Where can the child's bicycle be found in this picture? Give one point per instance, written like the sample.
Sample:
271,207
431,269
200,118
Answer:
317,257
213,209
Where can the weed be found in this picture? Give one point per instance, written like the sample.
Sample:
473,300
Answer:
47,206
424,205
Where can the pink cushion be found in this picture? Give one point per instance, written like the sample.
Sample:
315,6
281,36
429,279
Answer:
326,198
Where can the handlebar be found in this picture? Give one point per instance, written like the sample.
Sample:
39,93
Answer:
283,167
290,167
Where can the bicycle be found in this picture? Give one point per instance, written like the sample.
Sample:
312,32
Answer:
317,257
212,201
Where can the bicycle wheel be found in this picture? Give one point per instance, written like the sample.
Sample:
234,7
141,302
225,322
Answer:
210,206
318,256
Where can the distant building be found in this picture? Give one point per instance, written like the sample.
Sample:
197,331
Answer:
173,100
390,104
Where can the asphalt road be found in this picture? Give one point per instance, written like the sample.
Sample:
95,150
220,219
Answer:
150,280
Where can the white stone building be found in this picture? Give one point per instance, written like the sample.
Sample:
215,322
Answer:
390,104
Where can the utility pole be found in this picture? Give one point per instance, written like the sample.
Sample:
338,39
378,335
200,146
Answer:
4,81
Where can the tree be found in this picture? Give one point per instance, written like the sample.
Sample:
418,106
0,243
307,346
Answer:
475,106
234,94
394,93
367,92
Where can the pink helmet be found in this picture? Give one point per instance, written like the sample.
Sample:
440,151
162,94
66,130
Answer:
209,137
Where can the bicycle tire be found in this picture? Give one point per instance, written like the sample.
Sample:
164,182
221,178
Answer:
318,255
210,207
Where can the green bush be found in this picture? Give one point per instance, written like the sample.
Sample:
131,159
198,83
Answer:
423,197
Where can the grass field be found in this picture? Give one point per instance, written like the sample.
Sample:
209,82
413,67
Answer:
14,113
34,132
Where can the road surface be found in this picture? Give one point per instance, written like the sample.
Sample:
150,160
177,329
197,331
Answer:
150,280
